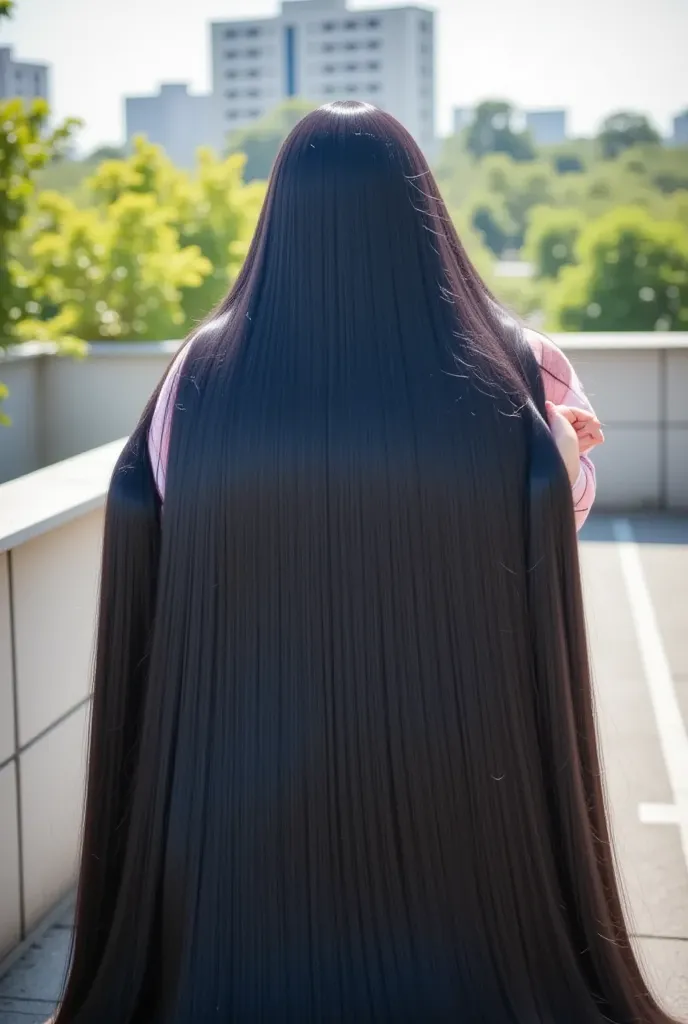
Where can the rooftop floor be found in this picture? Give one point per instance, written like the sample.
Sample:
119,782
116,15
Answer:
636,583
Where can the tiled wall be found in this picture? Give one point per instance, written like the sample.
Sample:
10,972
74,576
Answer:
48,588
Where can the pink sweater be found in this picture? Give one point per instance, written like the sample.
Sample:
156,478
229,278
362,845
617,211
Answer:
561,384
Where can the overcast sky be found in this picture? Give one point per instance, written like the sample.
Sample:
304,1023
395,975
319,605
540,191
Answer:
591,56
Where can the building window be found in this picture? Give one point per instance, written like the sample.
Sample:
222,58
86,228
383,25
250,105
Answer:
374,87
352,67
328,26
231,94
352,88
230,54
253,92
254,112
350,25
373,22
373,65
350,46
254,53
230,115
373,44
328,47
230,74
329,88
252,73
329,69
231,33
252,32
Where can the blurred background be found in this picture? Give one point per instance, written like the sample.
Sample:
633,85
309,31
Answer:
136,139
135,142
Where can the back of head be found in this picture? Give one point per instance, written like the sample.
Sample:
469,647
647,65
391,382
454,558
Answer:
367,785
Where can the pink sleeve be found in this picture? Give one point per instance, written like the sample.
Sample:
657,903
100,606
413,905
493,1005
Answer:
562,387
159,431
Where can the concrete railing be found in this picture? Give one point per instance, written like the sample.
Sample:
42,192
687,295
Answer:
51,526
637,382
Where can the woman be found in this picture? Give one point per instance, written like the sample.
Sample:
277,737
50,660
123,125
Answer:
343,761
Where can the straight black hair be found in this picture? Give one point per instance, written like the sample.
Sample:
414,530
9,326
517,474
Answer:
343,758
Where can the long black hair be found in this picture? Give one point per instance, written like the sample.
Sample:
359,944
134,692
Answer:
343,759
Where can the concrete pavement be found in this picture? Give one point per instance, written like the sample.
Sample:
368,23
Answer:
636,587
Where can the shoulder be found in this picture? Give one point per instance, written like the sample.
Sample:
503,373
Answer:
557,372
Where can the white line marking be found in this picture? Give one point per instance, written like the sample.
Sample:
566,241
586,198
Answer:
658,814
671,730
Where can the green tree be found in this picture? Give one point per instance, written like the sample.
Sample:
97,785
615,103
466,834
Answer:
551,240
105,153
490,220
220,219
6,8
261,140
632,275
492,131
26,146
112,272
623,130
213,210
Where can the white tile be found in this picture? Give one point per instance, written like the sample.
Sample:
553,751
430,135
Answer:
55,583
52,798
6,697
10,924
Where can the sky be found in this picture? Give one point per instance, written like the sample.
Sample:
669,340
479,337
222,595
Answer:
590,56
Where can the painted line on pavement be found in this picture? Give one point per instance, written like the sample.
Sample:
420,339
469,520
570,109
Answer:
671,730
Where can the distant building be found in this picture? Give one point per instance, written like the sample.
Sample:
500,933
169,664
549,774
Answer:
463,118
174,119
23,79
679,135
321,51
548,127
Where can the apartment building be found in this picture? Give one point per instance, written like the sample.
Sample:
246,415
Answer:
173,118
24,79
319,50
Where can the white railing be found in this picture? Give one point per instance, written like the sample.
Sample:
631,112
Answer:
637,382
50,539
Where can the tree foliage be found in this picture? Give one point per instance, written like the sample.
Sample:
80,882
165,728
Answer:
113,272
26,145
492,131
631,275
623,131
551,240
261,140
152,252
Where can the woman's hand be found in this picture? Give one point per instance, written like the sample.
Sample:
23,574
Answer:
587,426
575,431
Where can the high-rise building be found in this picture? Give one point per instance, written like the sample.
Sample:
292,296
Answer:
463,118
321,51
679,136
174,119
23,79
548,127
